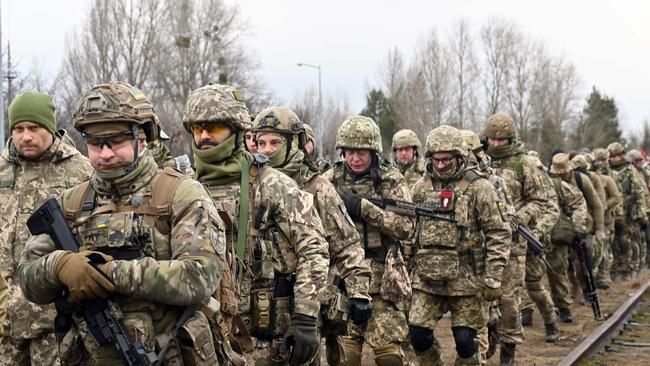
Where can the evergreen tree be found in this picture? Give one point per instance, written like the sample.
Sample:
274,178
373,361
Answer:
379,108
599,125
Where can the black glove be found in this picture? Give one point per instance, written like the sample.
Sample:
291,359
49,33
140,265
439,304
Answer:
301,339
360,310
352,204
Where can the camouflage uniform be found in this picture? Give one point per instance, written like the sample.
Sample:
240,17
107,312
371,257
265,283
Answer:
456,261
380,232
3,302
535,206
346,252
632,214
638,161
574,206
162,266
284,255
24,183
413,170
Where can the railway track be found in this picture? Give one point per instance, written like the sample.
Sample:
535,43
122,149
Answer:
619,337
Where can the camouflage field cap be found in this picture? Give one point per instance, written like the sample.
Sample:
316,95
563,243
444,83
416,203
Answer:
405,138
280,120
579,161
615,148
500,126
560,164
216,103
446,139
635,155
309,131
115,103
601,154
359,132
471,139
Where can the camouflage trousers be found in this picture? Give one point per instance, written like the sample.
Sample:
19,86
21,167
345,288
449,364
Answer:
510,328
536,292
605,267
35,351
466,311
623,246
385,333
559,284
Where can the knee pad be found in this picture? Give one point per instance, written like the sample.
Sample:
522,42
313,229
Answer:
465,338
352,351
421,338
389,355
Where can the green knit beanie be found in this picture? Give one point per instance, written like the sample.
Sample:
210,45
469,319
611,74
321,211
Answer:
33,107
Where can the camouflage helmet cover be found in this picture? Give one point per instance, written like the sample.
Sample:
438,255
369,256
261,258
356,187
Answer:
446,139
471,139
216,103
601,154
500,126
359,132
560,164
634,154
405,138
115,102
580,161
280,120
615,148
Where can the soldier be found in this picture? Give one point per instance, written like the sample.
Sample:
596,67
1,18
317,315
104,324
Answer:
38,161
279,256
249,137
535,205
575,212
633,214
163,156
3,303
407,159
279,136
613,200
151,238
313,153
637,159
458,263
361,174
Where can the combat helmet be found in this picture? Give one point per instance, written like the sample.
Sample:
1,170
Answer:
359,132
216,103
615,148
112,103
634,155
601,154
560,164
446,139
472,140
500,126
405,138
283,121
580,163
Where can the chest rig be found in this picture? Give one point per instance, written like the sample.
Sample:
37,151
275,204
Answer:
125,230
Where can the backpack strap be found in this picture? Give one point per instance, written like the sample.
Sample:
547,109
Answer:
578,177
82,200
470,176
161,197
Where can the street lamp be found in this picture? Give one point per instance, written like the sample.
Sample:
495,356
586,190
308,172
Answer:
320,99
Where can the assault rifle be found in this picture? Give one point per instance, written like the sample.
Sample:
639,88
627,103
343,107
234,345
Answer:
589,290
103,324
412,210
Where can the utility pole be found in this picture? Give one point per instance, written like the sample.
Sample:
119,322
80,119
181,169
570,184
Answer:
319,132
2,100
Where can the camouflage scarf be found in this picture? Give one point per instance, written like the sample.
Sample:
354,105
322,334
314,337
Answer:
296,168
221,164
130,183
506,150
404,167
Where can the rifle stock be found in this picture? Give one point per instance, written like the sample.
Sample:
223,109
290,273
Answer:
589,290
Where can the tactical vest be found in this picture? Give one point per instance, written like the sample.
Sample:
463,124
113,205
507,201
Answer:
443,246
126,232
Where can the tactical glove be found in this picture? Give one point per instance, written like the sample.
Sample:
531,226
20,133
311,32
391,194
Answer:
82,278
490,294
352,204
301,339
360,310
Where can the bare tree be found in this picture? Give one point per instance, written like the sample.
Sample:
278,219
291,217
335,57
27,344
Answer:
435,66
461,45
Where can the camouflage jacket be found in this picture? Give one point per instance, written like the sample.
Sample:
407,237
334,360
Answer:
477,243
596,207
23,185
346,252
573,204
379,229
169,270
413,171
284,225
645,177
632,190
3,303
531,190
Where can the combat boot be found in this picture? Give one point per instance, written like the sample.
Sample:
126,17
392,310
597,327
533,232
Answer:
507,354
565,315
493,340
527,317
551,333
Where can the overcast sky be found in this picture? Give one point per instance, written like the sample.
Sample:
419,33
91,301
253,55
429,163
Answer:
608,41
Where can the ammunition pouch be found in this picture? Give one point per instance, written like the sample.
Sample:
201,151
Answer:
196,341
437,263
477,259
271,308
564,232
334,310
